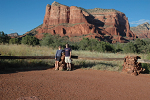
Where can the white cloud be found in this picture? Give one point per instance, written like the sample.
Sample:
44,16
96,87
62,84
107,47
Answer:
141,21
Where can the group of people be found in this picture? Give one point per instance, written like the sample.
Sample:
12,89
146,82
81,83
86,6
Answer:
58,55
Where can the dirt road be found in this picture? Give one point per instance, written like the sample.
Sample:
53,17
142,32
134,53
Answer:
79,84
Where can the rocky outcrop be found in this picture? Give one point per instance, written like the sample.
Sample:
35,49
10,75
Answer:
132,66
13,35
142,31
103,24
114,22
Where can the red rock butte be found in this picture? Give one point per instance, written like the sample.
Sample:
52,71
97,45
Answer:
103,24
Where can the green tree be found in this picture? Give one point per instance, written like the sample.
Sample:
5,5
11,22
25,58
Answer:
140,45
118,47
84,44
92,45
95,45
130,48
54,41
104,47
14,41
47,40
4,38
30,40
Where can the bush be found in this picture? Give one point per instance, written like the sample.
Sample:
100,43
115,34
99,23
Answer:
30,40
54,41
14,41
95,45
140,45
118,47
47,40
130,48
84,44
4,38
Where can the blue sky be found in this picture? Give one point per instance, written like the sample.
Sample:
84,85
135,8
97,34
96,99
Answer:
23,15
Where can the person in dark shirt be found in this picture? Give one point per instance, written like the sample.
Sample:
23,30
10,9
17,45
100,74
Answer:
68,57
58,57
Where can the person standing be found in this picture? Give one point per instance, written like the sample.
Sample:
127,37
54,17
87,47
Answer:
68,57
58,57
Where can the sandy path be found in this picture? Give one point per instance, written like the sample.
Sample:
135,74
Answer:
74,85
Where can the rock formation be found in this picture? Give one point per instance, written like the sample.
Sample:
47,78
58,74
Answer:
104,24
13,35
131,66
142,31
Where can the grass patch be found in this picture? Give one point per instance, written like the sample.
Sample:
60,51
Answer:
99,65
34,64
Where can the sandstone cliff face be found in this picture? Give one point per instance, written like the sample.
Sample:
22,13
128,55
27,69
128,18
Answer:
103,24
113,21
142,31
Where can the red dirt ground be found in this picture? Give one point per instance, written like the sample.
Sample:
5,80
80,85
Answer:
79,84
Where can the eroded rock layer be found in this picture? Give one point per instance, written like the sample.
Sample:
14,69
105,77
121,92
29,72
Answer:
103,24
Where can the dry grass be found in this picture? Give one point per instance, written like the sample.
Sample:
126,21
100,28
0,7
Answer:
25,50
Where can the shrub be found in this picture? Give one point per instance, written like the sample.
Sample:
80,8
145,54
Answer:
47,40
54,41
130,48
140,45
30,40
118,47
14,41
4,38
95,45
84,44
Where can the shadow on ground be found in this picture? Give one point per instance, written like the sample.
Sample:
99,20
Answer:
14,66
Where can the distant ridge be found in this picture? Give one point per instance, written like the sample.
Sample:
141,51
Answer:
142,30
145,26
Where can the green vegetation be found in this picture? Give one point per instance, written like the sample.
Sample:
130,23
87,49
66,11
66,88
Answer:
137,46
14,41
30,40
94,45
86,48
85,44
4,38
30,64
53,41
